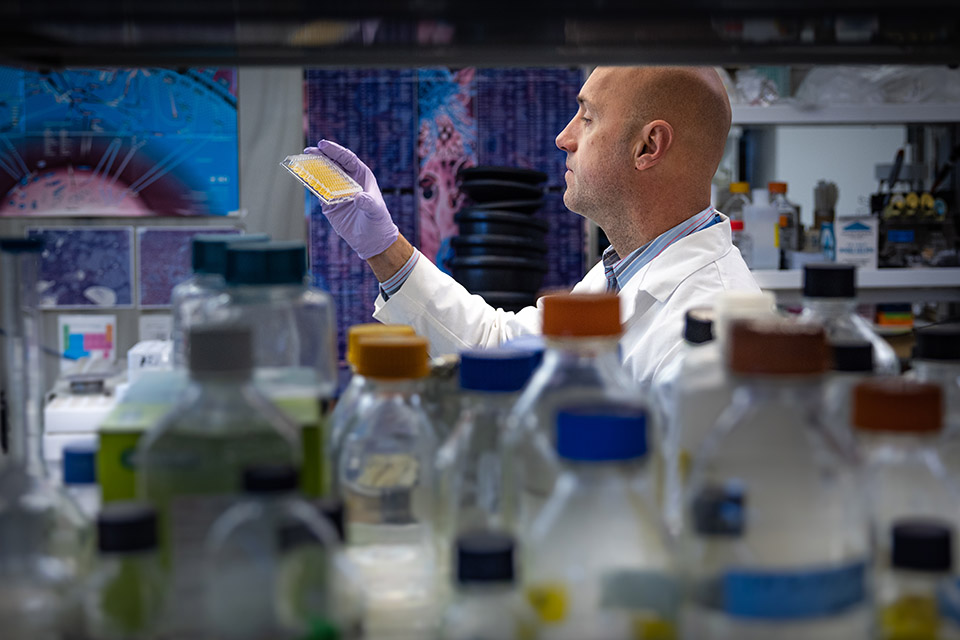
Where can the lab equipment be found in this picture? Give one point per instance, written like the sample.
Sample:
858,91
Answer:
936,358
852,364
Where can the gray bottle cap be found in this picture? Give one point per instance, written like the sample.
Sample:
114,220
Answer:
221,349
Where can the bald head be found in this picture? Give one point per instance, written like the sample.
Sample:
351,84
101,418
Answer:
692,99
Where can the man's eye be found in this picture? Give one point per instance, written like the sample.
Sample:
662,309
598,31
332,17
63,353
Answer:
585,119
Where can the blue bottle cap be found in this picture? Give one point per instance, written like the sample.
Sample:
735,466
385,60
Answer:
503,370
603,433
80,464
266,263
209,250
530,342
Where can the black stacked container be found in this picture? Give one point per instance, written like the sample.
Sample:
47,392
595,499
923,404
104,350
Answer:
501,252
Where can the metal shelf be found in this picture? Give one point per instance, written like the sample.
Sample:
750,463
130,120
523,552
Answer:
875,285
845,114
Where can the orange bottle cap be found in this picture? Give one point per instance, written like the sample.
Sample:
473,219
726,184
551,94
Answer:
778,347
368,329
581,315
777,187
392,357
739,187
897,405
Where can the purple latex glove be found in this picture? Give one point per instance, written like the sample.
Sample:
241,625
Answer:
364,222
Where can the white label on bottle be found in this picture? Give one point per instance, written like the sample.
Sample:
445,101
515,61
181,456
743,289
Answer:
190,520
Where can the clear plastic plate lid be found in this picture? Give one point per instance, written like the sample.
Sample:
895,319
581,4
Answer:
323,177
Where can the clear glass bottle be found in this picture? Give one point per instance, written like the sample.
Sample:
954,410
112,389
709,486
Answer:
273,566
788,228
470,475
830,299
441,391
191,462
487,604
44,539
581,365
852,364
346,404
387,482
209,261
799,566
693,389
294,340
598,563
898,425
123,599
80,477
911,588
742,241
739,198
936,358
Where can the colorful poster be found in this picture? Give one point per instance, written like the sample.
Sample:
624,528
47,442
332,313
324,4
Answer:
118,142
86,266
165,260
447,141
86,336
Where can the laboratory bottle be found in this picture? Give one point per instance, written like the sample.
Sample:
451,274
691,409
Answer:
386,479
124,596
272,566
441,394
191,462
742,241
294,340
208,259
936,358
44,538
797,554
597,560
898,425
470,475
581,364
830,298
852,363
487,603
739,198
693,389
911,589
347,402
789,221
80,477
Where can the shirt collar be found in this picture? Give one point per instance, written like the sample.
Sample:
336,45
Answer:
619,270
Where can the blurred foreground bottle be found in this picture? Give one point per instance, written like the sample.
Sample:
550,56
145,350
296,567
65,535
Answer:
487,604
208,257
387,482
778,544
124,597
936,358
597,559
43,535
191,463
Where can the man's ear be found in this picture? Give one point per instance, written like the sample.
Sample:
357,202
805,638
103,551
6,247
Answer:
654,141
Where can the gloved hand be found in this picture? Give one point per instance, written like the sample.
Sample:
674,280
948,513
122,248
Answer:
363,222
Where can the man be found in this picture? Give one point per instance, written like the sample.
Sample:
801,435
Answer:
642,151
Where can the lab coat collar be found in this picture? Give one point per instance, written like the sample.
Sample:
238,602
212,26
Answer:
658,280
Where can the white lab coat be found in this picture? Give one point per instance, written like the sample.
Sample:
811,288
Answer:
689,273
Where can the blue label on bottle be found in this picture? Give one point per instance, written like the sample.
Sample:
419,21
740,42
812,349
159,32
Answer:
783,595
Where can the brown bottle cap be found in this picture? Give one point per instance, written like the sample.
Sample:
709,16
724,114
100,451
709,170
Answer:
778,346
777,187
581,315
897,405
358,331
392,357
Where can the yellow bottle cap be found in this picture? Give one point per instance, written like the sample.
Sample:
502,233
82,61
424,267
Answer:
368,329
739,187
392,357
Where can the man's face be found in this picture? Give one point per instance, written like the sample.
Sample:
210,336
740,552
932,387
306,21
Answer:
598,151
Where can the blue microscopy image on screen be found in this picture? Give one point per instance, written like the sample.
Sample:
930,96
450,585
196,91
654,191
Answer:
86,266
166,260
118,142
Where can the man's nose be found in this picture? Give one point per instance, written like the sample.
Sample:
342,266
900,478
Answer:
564,139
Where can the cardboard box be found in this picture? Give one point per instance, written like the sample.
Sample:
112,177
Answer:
857,241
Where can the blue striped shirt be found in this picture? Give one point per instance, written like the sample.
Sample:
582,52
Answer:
619,270
391,285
